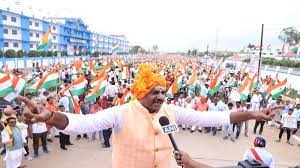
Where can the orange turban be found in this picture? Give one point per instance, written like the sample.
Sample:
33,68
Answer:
146,81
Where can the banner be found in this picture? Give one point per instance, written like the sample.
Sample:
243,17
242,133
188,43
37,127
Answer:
253,66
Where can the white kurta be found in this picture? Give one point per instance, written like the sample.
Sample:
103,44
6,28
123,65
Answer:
13,158
112,118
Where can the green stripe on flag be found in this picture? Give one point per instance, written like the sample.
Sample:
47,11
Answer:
78,92
6,91
49,84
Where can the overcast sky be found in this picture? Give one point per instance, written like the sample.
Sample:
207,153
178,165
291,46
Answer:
178,25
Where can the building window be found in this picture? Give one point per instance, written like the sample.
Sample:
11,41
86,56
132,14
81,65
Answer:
37,35
4,17
54,37
31,34
36,24
36,45
54,47
6,44
31,45
14,32
16,45
30,23
54,28
13,19
5,31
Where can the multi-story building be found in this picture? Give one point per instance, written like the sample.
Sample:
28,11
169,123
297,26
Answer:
21,32
103,43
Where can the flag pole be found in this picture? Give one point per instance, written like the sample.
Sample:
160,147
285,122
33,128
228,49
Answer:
260,50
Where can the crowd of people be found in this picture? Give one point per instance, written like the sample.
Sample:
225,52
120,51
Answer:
120,76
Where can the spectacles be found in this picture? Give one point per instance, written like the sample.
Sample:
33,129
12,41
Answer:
12,122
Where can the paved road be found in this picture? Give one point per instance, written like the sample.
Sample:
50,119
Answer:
208,149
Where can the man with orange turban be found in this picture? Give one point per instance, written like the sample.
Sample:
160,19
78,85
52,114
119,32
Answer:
137,139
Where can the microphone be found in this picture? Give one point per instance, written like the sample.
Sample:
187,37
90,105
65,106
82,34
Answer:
168,129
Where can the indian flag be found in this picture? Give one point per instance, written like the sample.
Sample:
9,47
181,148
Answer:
6,86
203,89
177,84
19,85
117,63
126,97
215,83
247,86
49,81
192,81
97,91
277,89
78,87
115,47
252,82
92,67
232,82
125,73
45,40
74,105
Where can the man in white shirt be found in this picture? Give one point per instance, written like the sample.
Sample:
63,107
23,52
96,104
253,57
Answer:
149,90
111,90
194,100
213,106
297,113
255,100
65,102
259,153
288,123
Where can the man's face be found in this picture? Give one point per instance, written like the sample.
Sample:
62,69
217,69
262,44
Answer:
225,100
290,112
215,101
154,99
298,106
62,108
12,122
50,101
192,95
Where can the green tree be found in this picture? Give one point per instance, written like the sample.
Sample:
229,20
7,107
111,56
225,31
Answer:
43,54
1,54
21,53
135,49
32,53
289,35
10,53
50,53
189,52
194,52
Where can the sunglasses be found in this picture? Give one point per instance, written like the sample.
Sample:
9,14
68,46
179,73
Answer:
12,122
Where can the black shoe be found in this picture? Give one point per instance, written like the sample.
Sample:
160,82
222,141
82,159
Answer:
183,128
69,144
105,146
200,131
56,136
3,152
63,148
49,140
192,131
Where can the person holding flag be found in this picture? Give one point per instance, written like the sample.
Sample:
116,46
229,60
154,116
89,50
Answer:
137,139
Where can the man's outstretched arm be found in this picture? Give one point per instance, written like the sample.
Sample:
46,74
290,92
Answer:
33,113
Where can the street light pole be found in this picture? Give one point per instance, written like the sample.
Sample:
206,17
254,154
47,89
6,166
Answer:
260,50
